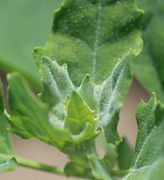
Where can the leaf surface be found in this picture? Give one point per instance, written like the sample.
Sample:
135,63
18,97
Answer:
92,36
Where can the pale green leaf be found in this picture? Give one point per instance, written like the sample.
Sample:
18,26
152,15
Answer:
111,96
79,115
56,83
92,36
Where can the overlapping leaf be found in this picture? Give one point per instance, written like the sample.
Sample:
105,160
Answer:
150,144
148,67
32,118
7,160
92,36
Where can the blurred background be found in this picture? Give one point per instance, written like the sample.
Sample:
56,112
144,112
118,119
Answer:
24,25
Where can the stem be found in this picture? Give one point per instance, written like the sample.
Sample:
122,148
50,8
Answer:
39,166
119,173
98,168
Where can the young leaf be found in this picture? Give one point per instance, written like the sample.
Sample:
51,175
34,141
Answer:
91,36
31,118
151,151
151,59
78,115
111,95
125,154
7,160
146,120
87,91
57,85
78,166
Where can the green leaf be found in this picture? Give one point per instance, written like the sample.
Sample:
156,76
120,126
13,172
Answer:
107,98
78,166
78,115
57,85
87,90
125,154
150,62
154,171
92,36
146,120
150,151
111,96
24,24
110,158
7,160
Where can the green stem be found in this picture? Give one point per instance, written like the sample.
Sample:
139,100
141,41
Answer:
119,173
98,168
39,166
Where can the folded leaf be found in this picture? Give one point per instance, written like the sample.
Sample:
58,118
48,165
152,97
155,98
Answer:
57,85
7,160
107,98
148,67
111,96
145,116
91,37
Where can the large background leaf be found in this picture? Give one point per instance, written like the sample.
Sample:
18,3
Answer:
92,36
7,161
148,67
24,24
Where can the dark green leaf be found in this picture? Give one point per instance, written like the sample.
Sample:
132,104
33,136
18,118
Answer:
125,154
92,36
